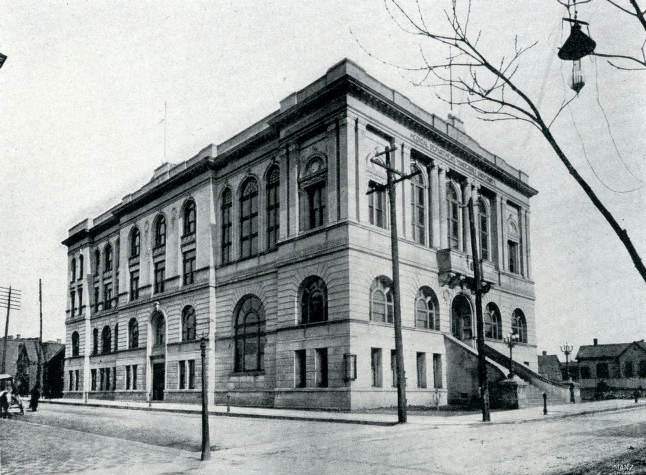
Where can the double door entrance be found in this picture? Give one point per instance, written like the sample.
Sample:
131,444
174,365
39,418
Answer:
159,381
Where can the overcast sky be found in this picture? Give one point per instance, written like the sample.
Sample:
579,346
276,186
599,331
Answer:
82,95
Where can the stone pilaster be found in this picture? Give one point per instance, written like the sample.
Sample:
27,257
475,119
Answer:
347,191
293,171
528,246
285,194
361,174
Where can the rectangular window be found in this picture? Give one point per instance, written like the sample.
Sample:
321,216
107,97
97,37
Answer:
93,380
484,232
273,208
72,303
300,369
189,267
96,299
107,296
128,377
226,230
393,367
375,365
377,208
602,370
182,374
160,276
642,368
114,378
101,379
76,379
134,285
316,198
71,381
249,220
421,370
191,374
80,294
134,376
107,380
321,367
437,371
512,252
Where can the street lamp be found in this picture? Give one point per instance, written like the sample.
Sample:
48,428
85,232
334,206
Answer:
511,340
567,349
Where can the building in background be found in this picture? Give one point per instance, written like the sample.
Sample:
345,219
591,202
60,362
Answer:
611,370
23,356
269,246
550,366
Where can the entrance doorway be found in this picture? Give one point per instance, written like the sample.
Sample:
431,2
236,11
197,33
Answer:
159,381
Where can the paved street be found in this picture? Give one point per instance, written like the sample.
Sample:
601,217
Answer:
79,439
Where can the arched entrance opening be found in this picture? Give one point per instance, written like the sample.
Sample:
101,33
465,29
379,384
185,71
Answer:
461,321
158,355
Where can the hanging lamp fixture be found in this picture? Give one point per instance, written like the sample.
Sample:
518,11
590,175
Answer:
577,45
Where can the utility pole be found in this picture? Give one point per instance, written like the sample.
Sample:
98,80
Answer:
206,445
39,377
477,288
10,299
391,182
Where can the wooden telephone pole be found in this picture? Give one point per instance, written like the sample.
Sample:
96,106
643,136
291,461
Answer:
39,376
477,288
390,185
10,299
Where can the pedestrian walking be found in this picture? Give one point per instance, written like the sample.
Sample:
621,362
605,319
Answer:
35,396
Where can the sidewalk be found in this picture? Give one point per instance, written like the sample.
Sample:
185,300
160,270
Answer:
497,417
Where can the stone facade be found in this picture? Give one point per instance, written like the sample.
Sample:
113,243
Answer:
290,283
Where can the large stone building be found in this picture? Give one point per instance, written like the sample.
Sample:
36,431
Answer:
269,246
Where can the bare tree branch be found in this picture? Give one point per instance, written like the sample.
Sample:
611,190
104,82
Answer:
493,94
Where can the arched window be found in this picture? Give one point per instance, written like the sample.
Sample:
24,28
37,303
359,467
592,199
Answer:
75,344
492,322
116,337
107,258
225,211
314,192
135,242
97,261
133,333
418,208
159,329
95,341
452,216
160,231
313,300
81,266
73,269
188,323
273,206
250,335
483,223
461,325
189,218
106,340
426,309
381,300
519,325
249,218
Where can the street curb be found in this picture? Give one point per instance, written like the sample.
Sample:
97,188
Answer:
229,414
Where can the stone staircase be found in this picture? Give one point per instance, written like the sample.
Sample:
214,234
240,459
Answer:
557,391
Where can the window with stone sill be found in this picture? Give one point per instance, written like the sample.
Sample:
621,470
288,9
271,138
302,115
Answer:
226,227
519,325
135,243
313,299
483,227
377,208
75,344
426,309
273,206
492,322
189,219
453,216
107,258
381,300
313,190
418,207
160,232
188,324
159,329
249,330
249,218
133,333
